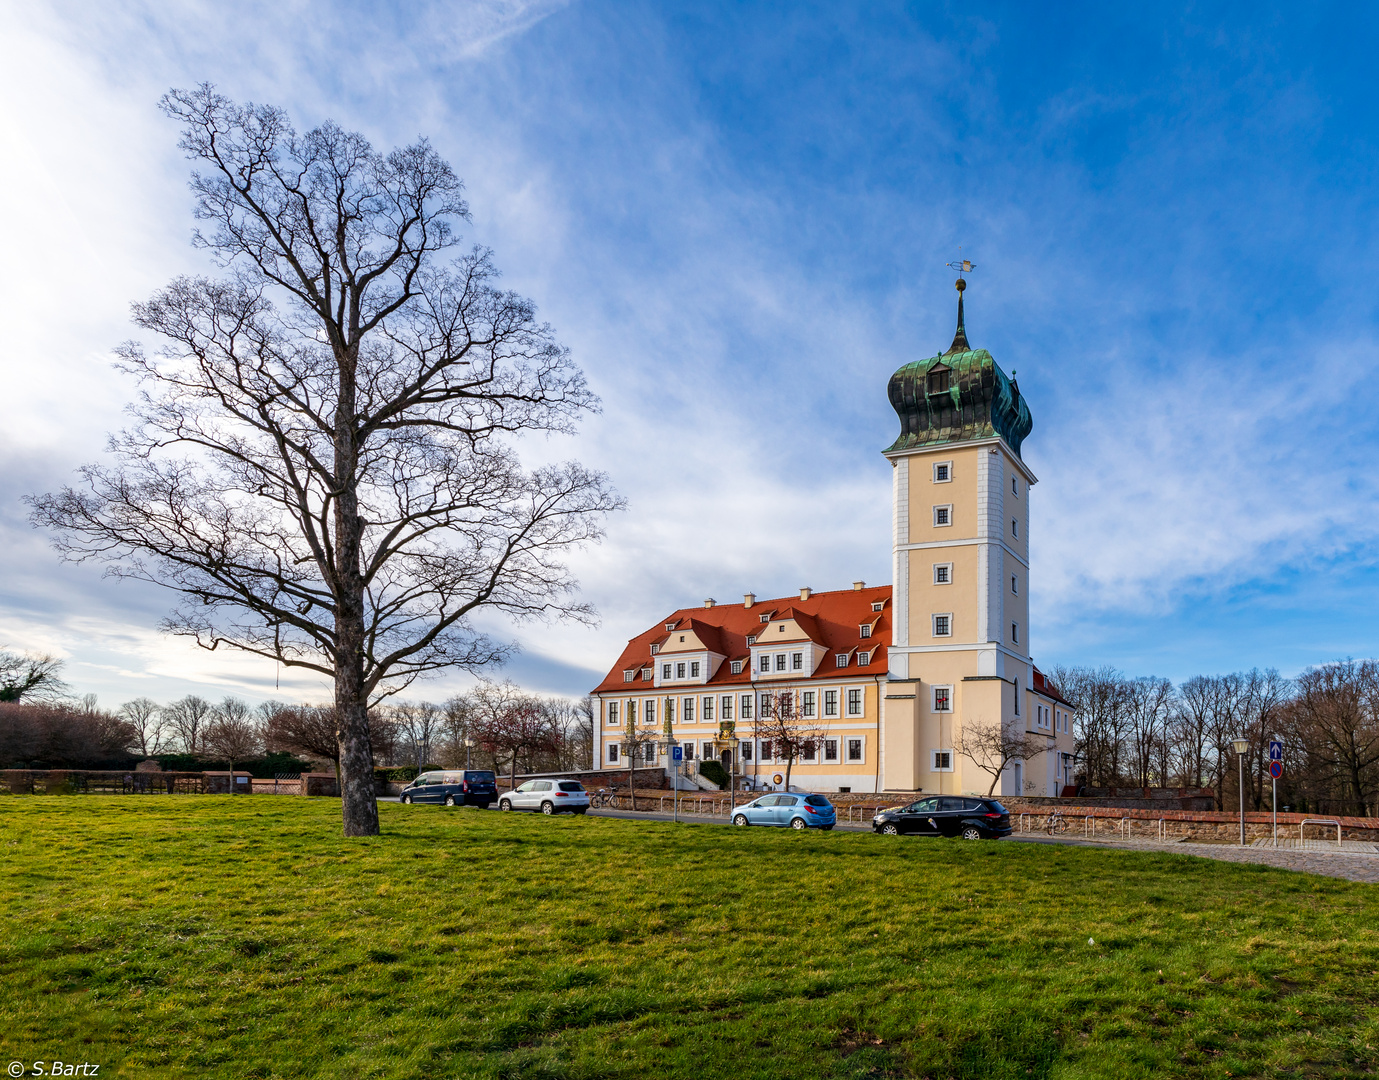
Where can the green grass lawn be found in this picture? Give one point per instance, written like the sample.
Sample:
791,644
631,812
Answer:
212,936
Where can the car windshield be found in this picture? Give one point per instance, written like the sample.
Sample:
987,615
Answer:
476,777
571,785
816,800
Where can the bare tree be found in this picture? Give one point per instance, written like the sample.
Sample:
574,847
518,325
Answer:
313,731
419,725
1148,702
319,461
639,743
1098,696
1337,714
233,735
992,747
188,719
31,679
510,722
145,716
779,722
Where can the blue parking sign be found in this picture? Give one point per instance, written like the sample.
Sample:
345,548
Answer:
677,753
1275,750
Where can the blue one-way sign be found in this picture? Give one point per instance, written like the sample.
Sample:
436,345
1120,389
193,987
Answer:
1275,750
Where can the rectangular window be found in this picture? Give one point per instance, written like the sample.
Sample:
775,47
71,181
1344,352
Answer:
797,661
765,662
943,699
808,703
708,710
878,606
1015,633
655,649
694,669
745,749
1014,490
830,749
612,712
943,625
943,573
746,706
854,750
941,760
688,751
646,674
735,667
1014,528
854,702
943,515
612,753
841,660
706,751
1017,697
765,749
727,707
830,702
780,661
665,671
649,712
1015,584
679,671
751,639
943,472
865,629
863,659
766,706
627,676
808,751
650,755
688,714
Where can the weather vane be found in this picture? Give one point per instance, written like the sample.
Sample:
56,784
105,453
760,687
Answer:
962,266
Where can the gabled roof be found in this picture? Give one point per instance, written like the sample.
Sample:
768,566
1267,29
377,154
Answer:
831,619
1043,685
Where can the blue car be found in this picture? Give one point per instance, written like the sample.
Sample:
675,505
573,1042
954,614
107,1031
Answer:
793,811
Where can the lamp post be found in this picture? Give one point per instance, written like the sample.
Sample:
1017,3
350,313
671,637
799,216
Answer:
468,751
1241,745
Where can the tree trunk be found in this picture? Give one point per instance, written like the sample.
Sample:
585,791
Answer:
358,803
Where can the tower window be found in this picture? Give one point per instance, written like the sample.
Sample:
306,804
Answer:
943,515
1015,633
943,625
1013,489
1014,584
1014,527
943,699
943,472
943,573
938,381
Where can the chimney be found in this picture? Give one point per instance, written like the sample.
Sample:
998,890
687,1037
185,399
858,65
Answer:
805,592
709,602
858,586
748,599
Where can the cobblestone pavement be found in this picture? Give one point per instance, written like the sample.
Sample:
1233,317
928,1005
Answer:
1353,867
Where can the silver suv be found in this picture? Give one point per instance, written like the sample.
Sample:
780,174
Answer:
548,796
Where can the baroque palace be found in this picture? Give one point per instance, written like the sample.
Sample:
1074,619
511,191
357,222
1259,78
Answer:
904,688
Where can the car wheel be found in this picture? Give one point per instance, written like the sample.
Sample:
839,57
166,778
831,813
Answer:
741,819
890,829
450,800
504,804
547,808
971,832
405,799
798,823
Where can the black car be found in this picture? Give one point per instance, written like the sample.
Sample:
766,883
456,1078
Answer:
463,787
946,815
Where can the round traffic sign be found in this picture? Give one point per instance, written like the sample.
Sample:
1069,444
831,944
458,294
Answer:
1275,769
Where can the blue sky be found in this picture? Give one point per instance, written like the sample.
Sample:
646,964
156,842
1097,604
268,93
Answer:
738,216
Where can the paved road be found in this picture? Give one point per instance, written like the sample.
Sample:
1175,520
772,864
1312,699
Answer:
1351,866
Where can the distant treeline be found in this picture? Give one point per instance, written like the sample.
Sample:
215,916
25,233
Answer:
1146,732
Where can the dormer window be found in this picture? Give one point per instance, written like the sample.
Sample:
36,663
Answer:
863,659
751,639
646,674
736,666
865,629
766,618
938,380
655,649
841,660
670,626
628,676
878,605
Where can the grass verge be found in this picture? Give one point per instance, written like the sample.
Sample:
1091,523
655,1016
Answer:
243,937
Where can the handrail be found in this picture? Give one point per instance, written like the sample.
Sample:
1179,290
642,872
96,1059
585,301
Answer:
1320,821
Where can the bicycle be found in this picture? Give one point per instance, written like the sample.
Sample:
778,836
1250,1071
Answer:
1056,823
601,797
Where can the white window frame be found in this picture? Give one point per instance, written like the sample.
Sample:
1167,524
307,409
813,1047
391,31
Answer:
827,712
948,508
611,717
765,663
1014,633
680,670
725,707
934,698
809,703
746,711
612,753
864,630
694,669
837,750
687,711
666,669
649,711
846,741
710,756
628,676
878,605
649,755
948,465
947,569
735,667
1014,487
706,709
861,692
744,750
935,766
797,661
933,624
863,659
781,662
841,659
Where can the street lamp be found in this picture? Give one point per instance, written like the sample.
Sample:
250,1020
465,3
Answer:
1241,745
468,747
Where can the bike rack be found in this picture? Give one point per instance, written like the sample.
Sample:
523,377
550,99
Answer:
1163,829
1320,821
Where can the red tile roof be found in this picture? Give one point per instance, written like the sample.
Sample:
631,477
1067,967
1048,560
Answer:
832,619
